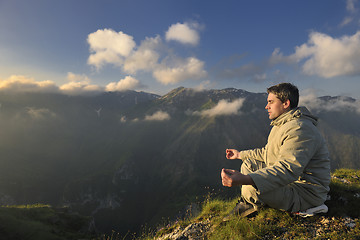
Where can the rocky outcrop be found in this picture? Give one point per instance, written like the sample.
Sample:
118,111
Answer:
193,231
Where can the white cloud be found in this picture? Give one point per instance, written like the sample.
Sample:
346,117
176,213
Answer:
158,116
346,21
203,85
145,57
128,83
185,33
152,56
338,104
123,119
108,46
231,68
72,77
75,88
18,83
79,84
278,57
350,5
223,107
190,68
327,57
352,13
260,77
40,113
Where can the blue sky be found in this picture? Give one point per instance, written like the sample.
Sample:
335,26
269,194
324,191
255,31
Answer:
85,46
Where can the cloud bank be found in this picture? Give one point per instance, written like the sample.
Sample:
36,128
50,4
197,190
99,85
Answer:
79,84
19,83
335,104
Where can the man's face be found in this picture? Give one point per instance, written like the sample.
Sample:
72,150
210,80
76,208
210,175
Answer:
275,107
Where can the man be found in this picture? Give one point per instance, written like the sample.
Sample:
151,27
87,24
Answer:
292,172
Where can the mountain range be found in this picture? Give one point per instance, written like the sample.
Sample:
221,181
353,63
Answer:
133,158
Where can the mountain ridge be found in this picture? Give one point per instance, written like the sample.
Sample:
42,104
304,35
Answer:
106,155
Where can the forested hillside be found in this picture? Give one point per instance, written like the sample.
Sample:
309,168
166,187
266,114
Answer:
132,158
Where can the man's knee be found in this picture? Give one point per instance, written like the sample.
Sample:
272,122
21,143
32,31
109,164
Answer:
284,198
246,167
250,166
250,194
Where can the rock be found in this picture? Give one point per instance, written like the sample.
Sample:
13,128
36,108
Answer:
350,223
325,221
341,180
194,231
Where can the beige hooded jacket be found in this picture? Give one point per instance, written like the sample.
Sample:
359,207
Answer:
295,154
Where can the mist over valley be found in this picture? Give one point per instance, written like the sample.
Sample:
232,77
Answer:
132,158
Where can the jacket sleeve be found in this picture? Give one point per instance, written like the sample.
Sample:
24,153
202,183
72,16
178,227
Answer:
257,154
298,145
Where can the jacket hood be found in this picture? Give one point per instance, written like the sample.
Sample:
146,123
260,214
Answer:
299,112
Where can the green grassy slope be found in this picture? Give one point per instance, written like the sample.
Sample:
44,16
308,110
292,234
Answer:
341,222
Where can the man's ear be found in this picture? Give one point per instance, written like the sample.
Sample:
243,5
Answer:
286,104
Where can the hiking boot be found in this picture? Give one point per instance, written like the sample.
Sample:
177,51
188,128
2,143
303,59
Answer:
242,210
312,211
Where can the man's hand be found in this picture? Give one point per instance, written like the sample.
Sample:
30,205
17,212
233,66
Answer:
231,178
232,154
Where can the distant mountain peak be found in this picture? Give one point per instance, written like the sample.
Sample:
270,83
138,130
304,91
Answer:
338,98
173,93
182,91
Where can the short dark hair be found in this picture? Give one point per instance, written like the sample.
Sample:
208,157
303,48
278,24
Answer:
286,91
